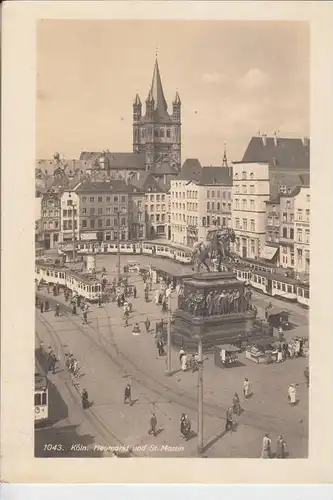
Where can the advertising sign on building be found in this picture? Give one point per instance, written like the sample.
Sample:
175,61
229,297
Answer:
88,236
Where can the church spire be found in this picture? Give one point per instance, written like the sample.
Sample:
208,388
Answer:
157,93
225,159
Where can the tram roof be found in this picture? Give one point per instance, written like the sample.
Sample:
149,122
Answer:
172,268
88,278
279,276
169,244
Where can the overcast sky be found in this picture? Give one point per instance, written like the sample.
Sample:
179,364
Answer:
234,79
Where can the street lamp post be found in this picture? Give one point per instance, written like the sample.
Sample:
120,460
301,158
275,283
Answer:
168,370
118,248
73,222
200,397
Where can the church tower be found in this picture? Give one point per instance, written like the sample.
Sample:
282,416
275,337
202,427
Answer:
157,133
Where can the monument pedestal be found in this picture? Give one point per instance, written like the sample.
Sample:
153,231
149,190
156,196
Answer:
215,307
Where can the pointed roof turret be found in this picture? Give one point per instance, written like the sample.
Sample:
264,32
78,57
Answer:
150,97
137,101
225,159
157,92
177,99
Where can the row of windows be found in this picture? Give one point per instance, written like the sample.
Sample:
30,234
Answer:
244,244
92,223
192,194
180,217
158,208
285,260
300,235
285,218
244,189
69,213
244,204
220,193
211,205
106,199
92,210
178,206
285,233
273,221
51,213
207,221
244,175
51,224
245,225
157,197
192,221
68,224
192,207
159,218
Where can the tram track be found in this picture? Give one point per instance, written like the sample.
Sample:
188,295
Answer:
262,422
102,428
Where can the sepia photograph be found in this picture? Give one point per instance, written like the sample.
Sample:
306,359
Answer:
172,239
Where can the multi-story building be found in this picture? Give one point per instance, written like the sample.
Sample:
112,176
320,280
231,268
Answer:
200,201
287,230
251,190
50,218
302,230
272,241
70,208
137,217
104,210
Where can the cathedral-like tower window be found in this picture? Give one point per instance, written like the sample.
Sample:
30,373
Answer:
168,133
162,132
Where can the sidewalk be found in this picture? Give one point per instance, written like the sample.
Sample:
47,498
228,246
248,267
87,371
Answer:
105,383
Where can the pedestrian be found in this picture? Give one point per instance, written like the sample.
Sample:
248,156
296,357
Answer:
280,447
229,420
47,305
48,288
153,425
266,447
74,308
126,314
53,363
146,296
99,301
42,307
307,376
236,404
134,292
147,323
279,356
184,362
160,347
246,388
185,426
292,394
128,394
57,309
85,318
157,295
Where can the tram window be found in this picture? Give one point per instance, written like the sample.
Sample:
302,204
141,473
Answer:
283,287
56,275
44,398
255,278
290,289
278,285
37,271
306,294
300,292
274,284
122,247
37,398
47,273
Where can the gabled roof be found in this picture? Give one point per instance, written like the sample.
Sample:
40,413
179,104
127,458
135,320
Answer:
165,169
216,175
145,180
135,161
191,170
71,167
282,153
115,185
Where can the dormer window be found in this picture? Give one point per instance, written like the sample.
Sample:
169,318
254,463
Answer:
236,176
244,175
251,175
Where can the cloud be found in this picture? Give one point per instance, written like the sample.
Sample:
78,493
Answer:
212,77
253,79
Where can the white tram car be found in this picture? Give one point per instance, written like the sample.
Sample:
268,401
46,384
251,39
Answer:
84,285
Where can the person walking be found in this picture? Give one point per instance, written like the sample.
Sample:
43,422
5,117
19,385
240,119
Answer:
128,394
229,420
74,308
307,376
136,329
57,310
134,292
266,447
153,425
185,426
147,324
246,388
99,301
160,347
47,305
280,447
184,362
126,315
236,404
42,306
85,318
292,394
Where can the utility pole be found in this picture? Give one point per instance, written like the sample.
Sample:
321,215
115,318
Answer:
73,222
118,248
168,370
200,397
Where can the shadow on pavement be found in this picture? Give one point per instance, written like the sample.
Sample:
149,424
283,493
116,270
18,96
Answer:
218,437
63,442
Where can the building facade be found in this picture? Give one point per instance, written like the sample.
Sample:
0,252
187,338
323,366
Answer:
302,230
104,210
157,134
287,230
69,224
51,218
250,191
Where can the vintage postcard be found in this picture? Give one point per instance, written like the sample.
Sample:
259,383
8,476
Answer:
165,202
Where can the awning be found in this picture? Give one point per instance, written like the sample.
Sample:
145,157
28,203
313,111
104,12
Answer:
268,253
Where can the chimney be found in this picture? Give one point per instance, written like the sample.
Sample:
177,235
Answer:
305,141
264,139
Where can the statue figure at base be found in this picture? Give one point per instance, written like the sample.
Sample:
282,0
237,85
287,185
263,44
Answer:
216,245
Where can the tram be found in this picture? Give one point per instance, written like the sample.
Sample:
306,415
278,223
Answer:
41,395
84,285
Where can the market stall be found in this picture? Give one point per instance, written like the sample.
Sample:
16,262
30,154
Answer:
226,355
